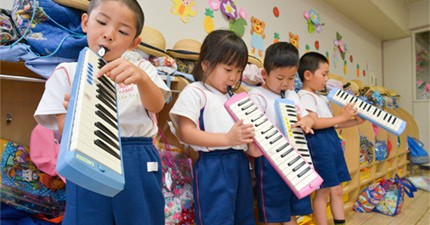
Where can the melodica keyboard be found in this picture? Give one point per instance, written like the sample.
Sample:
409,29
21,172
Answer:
90,150
287,116
287,161
367,111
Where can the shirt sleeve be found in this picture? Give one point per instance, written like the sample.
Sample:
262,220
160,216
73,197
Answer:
301,110
259,100
153,74
309,102
189,104
52,99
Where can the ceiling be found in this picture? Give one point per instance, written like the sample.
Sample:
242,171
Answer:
385,19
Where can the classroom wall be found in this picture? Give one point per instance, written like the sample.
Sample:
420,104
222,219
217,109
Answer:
364,48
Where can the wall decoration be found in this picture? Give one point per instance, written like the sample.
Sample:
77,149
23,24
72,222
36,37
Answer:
238,26
364,73
317,45
341,46
184,9
243,13
307,48
214,4
313,20
357,72
208,22
257,32
276,37
336,56
228,8
276,11
422,62
345,68
294,39
327,56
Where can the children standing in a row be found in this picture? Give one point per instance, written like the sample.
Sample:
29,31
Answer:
116,25
325,145
276,201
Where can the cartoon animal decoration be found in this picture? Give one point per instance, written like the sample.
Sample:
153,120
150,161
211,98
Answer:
184,9
208,22
294,39
214,4
257,32
313,20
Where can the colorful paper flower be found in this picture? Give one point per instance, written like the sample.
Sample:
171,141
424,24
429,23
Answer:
214,4
341,46
313,21
228,8
243,13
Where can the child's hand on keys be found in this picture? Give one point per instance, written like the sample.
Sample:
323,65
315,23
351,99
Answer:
240,133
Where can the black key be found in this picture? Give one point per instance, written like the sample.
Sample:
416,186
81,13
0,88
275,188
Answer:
253,120
374,111
276,139
386,114
105,111
241,103
391,116
106,102
304,172
246,107
101,88
394,121
379,113
287,152
107,83
106,96
108,149
106,130
272,134
265,119
271,126
106,119
255,108
106,139
282,147
294,160
299,166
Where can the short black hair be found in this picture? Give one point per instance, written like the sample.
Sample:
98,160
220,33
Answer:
281,54
133,5
221,46
310,61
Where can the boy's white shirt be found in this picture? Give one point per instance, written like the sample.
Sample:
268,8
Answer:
265,100
315,103
216,118
135,120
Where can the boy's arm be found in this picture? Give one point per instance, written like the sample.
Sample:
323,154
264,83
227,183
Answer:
190,134
347,113
253,150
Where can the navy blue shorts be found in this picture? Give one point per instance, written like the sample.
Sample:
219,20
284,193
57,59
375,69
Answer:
276,201
223,188
140,203
328,157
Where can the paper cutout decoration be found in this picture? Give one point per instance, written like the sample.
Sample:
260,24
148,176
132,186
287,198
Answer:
341,46
208,22
364,73
257,32
345,67
243,14
357,72
238,26
317,45
228,8
214,4
327,56
350,58
294,39
307,48
313,19
184,9
275,37
276,11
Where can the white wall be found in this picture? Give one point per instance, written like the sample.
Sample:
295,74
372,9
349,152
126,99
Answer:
364,47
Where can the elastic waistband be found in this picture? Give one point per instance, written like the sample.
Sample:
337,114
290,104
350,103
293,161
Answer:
136,140
221,152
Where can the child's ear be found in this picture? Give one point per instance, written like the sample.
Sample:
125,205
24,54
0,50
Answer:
264,74
135,43
307,75
84,22
205,65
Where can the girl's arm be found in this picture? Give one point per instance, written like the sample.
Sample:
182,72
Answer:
189,133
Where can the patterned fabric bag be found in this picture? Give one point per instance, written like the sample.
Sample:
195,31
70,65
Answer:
177,184
366,150
381,150
369,198
25,187
418,155
49,28
395,188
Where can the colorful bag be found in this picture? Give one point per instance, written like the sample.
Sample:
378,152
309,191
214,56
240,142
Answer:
381,150
395,188
49,28
366,150
418,155
25,187
369,198
177,184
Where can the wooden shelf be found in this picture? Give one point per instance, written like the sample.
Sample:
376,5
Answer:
17,69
